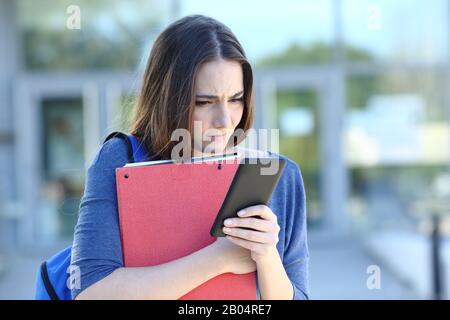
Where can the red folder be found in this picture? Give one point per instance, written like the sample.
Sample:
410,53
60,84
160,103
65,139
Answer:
166,212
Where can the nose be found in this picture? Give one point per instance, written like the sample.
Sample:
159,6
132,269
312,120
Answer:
222,117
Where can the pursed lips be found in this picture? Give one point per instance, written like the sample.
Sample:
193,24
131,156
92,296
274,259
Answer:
218,137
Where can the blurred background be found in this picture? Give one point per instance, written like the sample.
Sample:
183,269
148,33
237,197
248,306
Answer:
359,90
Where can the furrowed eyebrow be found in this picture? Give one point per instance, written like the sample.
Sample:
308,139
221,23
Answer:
205,96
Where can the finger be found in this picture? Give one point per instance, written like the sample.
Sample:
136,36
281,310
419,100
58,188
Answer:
252,223
250,245
250,235
258,210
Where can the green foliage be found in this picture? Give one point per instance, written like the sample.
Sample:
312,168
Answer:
112,33
297,54
78,50
317,53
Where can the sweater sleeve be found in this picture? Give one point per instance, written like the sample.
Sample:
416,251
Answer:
296,254
96,249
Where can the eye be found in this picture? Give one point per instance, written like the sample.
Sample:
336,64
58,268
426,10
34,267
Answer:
202,103
237,100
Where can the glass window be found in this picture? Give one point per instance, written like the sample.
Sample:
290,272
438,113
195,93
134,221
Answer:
397,142
401,31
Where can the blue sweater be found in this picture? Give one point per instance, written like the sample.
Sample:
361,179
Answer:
97,247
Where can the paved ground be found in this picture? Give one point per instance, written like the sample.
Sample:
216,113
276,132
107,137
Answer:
408,256
337,271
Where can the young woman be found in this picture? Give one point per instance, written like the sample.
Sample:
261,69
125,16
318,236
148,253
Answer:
197,72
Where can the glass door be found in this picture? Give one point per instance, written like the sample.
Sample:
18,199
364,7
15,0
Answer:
298,121
62,169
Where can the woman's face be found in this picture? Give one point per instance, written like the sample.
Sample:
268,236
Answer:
219,105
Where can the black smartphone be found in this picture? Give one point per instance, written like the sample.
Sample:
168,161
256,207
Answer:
253,184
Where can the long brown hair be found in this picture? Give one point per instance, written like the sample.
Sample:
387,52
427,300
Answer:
166,98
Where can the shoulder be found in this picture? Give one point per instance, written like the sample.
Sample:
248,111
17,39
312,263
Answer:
291,179
111,154
291,168
101,173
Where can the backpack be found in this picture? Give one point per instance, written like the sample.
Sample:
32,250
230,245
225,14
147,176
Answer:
55,276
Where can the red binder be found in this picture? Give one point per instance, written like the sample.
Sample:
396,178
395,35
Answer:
166,212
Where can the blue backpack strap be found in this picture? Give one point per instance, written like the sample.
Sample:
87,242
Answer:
44,287
52,277
124,137
139,150
136,150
